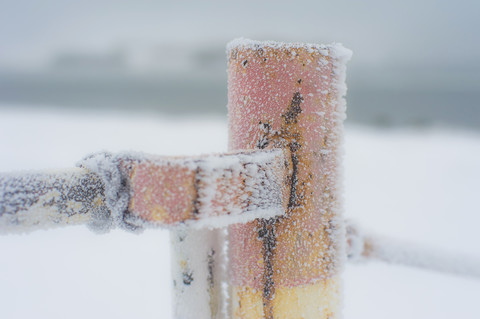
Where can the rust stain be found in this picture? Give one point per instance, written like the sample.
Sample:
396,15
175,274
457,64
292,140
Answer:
195,200
266,233
290,117
211,283
288,137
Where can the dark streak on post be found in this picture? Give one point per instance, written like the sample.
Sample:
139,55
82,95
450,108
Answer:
210,265
294,110
286,137
196,186
267,234
292,201
211,281
187,277
264,140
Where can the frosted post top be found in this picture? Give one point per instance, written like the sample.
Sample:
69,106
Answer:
334,50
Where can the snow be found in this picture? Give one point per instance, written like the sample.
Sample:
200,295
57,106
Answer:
334,50
415,185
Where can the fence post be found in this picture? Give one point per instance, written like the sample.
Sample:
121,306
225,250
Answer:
289,96
197,257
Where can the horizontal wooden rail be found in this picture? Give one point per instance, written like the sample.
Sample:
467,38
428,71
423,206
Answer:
137,190
362,247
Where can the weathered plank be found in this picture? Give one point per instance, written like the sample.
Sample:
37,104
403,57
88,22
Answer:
136,190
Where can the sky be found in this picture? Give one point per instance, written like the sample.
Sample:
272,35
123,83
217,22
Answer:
381,33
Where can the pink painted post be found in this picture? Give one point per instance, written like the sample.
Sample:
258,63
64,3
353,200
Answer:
289,96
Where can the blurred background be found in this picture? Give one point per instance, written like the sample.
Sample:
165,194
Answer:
80,76
415,63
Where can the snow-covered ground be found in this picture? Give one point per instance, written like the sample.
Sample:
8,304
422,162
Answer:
418,185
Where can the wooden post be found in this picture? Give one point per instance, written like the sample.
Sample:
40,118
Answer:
289,96
197,273
229,189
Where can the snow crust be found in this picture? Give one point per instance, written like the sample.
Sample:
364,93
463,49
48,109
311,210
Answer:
262,194
334,50
341,56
